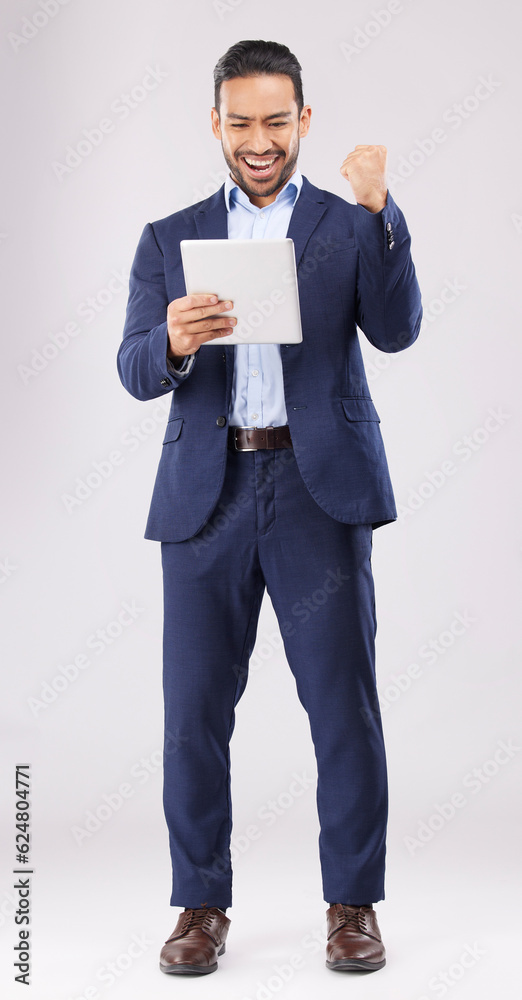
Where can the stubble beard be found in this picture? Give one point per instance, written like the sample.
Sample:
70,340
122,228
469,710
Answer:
245,183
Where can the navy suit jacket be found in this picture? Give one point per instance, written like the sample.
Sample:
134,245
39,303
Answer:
354,268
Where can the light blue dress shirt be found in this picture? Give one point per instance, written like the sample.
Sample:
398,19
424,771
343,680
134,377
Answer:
258,398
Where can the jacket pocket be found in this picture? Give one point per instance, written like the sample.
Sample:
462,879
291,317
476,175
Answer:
173,430
360,408
322,250
336,245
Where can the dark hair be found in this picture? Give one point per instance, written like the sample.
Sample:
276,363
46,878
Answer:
258,58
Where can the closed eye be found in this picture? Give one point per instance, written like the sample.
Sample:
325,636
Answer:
271,124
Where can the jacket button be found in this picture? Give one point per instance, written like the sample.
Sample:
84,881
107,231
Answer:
221,421
388,226
165,381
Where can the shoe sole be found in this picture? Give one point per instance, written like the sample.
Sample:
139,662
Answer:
194,970
355,965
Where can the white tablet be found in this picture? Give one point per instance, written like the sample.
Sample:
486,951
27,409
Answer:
258,276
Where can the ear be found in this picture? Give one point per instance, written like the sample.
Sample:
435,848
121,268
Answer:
304,121
216,127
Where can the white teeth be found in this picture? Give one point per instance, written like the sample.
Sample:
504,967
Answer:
259,163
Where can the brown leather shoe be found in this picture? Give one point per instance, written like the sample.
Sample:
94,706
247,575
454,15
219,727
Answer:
196,941
354,939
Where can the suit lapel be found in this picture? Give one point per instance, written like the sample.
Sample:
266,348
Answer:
308,210
211,224
211,221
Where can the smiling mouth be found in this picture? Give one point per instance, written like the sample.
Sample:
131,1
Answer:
260,167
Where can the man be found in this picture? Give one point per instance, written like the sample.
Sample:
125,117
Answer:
272,474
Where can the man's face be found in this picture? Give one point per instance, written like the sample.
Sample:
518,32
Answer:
260,131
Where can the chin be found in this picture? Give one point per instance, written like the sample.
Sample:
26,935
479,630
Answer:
252,181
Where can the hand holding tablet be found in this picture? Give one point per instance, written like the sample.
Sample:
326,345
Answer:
192,320
258,276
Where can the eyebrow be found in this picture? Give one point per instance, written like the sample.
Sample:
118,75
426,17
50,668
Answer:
247,118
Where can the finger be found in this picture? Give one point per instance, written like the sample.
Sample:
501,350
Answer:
193,343
191,316
201,313
193,301
206,326
353,157
216,325
371,148
221,333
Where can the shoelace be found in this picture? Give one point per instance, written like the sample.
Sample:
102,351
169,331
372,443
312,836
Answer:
195,918
355,916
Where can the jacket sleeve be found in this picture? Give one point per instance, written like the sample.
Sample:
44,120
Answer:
389,309
143,366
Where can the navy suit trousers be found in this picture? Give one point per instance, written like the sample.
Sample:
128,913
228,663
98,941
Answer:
268,531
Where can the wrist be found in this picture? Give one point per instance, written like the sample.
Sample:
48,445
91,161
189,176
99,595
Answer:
175,358
375,204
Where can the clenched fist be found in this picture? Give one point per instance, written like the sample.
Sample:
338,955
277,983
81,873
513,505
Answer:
365,168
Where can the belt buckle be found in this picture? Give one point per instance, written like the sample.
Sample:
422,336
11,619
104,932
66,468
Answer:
241,428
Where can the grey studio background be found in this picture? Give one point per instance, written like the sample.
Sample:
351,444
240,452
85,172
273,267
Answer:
438,84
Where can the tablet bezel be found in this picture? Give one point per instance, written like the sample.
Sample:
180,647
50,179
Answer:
219,266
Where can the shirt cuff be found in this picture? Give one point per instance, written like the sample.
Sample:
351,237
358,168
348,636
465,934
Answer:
183,367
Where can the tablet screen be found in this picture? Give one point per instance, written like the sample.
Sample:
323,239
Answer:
259,276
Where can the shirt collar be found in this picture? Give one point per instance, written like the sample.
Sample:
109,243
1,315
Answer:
290,192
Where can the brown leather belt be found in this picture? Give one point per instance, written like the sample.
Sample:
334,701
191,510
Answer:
252,438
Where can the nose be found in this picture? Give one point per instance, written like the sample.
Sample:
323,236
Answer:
260,140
